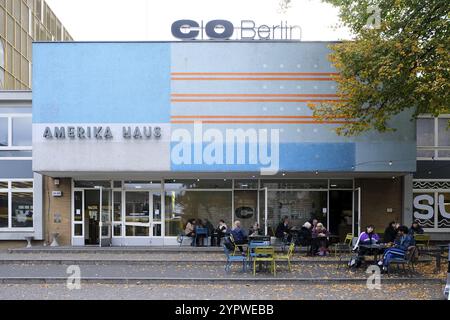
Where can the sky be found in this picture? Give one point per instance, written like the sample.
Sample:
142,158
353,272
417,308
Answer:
151,20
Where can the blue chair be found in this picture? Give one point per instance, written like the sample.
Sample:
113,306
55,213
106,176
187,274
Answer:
231,259
200,232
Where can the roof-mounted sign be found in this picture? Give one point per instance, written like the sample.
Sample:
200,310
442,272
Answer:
225,30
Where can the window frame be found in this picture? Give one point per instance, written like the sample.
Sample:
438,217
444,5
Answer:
10,146
9,190
436,147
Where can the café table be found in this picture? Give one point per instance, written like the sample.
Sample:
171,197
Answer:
437,251
375,249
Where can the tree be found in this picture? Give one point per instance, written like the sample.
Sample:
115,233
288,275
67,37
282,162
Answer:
398,60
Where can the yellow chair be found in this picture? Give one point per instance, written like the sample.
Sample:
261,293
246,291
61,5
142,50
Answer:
422,240
286,257
265,254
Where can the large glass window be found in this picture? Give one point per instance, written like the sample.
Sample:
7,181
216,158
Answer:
201,205
16,204
295,184
198,184
444,137
137,207
433,137
298,206
21,131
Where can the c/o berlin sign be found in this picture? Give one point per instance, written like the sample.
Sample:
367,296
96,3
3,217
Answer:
224,30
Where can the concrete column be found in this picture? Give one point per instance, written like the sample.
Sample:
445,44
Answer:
38,207
407,217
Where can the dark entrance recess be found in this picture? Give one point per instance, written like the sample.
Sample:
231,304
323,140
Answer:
341,212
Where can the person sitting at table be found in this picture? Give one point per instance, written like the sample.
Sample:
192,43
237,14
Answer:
283,230
219,233
415,228
366,237
201,237
189,230
320,240
390,233
304,235
255,230
239,235
401,246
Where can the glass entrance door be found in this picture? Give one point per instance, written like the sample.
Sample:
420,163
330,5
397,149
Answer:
246,207
105,217
263,209
156,216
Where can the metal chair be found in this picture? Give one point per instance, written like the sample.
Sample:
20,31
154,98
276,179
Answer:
422,240
201,232
346,245
265,254
232,258
409,260
286,257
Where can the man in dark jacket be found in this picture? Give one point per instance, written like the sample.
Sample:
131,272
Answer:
400,248
390,233
283,230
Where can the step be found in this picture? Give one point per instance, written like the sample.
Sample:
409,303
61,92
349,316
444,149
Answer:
212,280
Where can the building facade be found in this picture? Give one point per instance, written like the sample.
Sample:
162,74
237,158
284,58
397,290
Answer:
21,23
131,140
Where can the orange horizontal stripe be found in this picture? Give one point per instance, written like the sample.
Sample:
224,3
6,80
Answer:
246,117
262,122
252,79
253,95
254,100
253,73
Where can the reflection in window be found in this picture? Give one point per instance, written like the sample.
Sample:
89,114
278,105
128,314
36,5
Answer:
137,207
298,206
22,209
3,132
21,131
425,137
205,205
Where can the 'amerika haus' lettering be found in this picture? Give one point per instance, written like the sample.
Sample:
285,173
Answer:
101,132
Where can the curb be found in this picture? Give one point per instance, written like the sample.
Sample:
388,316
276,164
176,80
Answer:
161,280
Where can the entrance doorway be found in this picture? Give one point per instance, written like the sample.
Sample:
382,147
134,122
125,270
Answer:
340,216
91,217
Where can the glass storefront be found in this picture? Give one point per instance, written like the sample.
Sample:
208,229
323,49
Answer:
149,209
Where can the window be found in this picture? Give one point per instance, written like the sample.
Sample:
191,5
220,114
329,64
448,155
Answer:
433,137
180,206
16,204
2,64
15,136
21,131
3,132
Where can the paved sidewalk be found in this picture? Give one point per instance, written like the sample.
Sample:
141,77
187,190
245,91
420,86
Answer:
242,292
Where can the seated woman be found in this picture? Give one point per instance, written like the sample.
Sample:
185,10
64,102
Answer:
401,245
304,235
366,237
320,240
189,230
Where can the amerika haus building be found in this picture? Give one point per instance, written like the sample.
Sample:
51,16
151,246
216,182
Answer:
132,139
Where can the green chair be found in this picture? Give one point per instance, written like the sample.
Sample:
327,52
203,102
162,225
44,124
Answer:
264,254
422,240
286,257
